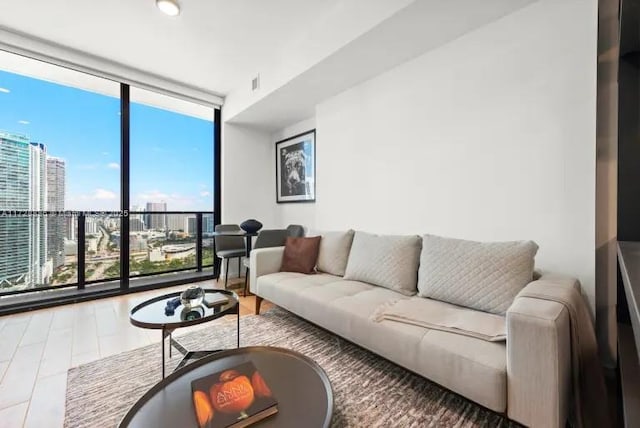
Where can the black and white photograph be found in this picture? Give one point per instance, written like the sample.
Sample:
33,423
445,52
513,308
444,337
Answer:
295,168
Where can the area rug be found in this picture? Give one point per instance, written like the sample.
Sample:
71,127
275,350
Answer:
369,391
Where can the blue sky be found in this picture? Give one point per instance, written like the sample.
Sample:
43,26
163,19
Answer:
171,153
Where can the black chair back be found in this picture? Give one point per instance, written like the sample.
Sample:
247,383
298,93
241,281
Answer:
295,231
271,238
225,243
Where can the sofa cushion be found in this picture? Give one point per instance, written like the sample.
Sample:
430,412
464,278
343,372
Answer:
468,366
479,275
334,252
386,260
300,255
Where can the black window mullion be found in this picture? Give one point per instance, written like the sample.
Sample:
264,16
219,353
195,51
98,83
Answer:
217,185
80,228
124,185
199,242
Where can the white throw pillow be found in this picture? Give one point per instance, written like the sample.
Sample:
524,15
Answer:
481,275
334,252
385,260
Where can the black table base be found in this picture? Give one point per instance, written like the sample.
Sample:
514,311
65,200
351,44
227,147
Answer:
190,355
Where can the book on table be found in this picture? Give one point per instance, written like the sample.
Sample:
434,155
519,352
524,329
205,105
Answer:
215,299
232,398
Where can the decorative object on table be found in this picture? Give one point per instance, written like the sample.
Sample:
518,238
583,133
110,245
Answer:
192,296
236,397
190,313
171,306
215,299
296,168
300,255
251,226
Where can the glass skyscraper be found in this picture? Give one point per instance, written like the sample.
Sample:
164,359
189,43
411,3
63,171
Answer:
22,189
156,221
39,270
55,202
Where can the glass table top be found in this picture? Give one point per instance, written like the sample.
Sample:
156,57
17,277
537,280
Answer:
153,314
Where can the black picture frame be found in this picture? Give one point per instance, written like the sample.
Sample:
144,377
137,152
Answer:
296,168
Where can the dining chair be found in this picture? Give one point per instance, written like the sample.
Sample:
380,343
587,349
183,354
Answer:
295,231
229,247
266,238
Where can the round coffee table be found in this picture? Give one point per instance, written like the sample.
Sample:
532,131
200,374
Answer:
299,385
151,314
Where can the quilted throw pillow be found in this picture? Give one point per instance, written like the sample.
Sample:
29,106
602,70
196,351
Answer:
385,260
481,275
334,252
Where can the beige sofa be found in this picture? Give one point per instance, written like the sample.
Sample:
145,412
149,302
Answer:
527,378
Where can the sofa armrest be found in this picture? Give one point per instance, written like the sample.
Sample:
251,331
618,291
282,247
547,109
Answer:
539,359
263,261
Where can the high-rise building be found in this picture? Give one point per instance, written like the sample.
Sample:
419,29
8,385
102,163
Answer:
55,202
136,216
176,222
71,226
207,223
156,221
191,225
40,270
22,188
136,225
91,225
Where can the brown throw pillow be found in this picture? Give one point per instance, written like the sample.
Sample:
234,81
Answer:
300,255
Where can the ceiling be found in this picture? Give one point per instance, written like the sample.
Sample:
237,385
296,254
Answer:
214,45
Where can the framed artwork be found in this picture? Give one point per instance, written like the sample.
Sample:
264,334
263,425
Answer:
296,168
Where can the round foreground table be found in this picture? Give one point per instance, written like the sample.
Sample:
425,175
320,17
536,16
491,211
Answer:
150,314
300,386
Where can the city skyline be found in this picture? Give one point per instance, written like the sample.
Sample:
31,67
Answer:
85,134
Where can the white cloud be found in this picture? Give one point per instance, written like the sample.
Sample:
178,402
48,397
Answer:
23,122
153,196
4,90
103,194
105,153
174,201
204,194
113,165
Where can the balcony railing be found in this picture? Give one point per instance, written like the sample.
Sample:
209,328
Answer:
43,250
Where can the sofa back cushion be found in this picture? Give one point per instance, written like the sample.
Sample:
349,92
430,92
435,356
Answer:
334,252
300,255
385,260
481,275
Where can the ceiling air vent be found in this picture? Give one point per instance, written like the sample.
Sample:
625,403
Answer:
255,83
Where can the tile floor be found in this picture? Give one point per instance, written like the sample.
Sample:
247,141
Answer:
37,348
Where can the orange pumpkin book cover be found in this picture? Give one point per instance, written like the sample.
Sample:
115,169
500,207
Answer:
236,398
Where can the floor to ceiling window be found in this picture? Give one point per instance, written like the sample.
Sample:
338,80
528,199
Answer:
61,180
171,175
59,153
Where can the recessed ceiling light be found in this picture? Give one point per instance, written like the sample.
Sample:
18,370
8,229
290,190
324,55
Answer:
169,7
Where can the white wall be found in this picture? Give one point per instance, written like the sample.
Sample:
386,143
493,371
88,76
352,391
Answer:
248,184
490,137
248,181
293,213
347,21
